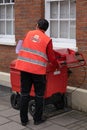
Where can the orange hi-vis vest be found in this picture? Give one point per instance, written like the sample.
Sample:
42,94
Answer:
32,56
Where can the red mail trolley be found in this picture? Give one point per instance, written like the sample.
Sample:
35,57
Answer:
57,79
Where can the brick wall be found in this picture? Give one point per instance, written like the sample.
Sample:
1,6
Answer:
82,26
27,12
79,76
7,54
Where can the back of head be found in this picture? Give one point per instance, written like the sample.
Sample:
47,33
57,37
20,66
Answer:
43,24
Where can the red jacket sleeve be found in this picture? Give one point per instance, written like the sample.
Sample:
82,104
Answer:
50,54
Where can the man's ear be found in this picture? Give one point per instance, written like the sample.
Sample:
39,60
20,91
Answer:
36,26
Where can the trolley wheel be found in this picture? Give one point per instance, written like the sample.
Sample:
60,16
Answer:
32,107
15,101
61,103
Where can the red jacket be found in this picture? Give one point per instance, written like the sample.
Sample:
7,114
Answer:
32,56
51,55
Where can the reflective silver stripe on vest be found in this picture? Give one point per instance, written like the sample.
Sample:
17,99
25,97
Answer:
32,61
35,52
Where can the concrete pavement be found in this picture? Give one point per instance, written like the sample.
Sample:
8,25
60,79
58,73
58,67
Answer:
64,120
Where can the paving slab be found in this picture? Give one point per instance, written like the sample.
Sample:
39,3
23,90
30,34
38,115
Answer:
9,112
16,118
3,120
55,127
3,107
39,127
66,119
11,126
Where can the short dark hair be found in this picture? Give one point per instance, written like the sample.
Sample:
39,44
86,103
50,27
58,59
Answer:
43,24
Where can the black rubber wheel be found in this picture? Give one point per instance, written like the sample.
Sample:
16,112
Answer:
61,103
32,107
15,101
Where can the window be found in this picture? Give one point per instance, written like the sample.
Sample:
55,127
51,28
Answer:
7,22
61,15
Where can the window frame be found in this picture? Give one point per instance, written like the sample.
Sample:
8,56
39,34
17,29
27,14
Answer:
4,38
58,42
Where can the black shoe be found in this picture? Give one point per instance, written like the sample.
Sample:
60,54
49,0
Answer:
24,123
40,121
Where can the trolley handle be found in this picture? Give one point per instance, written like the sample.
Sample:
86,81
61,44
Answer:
63,63
77,53
81,59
